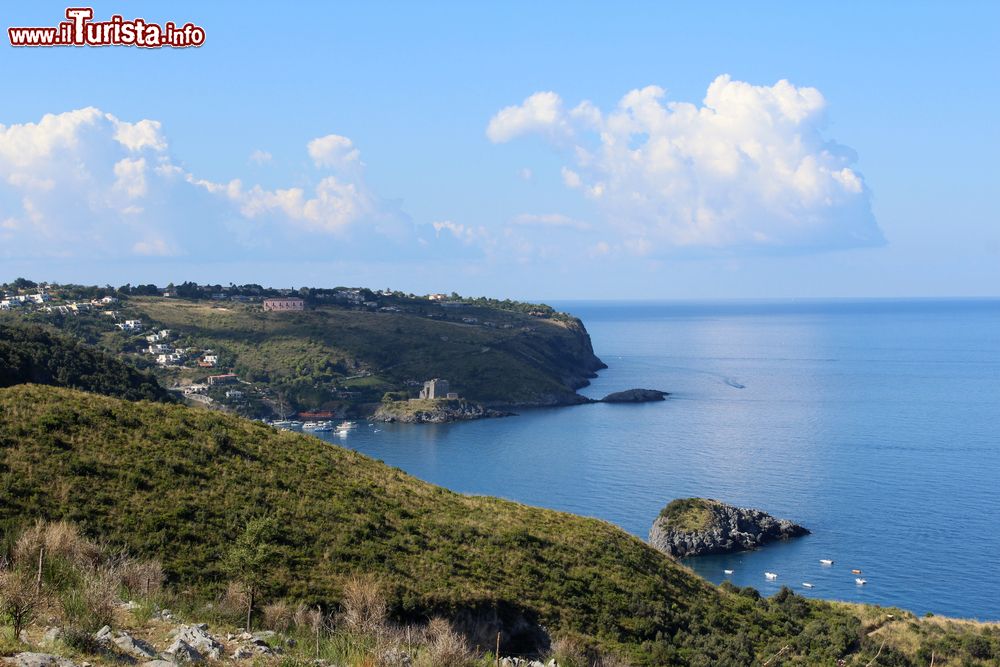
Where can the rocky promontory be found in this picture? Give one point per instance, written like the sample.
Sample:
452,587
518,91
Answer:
701,526
433,411
635,396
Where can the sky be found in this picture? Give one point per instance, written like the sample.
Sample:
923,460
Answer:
560,150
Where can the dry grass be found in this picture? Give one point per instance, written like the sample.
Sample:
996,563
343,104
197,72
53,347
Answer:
58,539
278,616
365,607
444,647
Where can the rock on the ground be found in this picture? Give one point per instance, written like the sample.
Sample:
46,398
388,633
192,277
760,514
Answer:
720,528
157,663
28,659
134,647
197,637
243,653
181,652
635,396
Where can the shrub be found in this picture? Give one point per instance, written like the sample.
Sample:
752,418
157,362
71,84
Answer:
444,647
365,608
19,599
141,577
569,652
92,604
278,616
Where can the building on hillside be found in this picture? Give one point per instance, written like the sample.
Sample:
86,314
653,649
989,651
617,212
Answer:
284,304
226,378
435,388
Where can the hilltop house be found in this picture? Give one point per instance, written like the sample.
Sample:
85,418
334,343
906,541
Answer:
226,378
284,304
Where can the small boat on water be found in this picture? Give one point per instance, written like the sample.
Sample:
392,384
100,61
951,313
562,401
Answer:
346,425
771,576
807,584
343,432
727,571
317,426
825,561
860,582
287,425
855,571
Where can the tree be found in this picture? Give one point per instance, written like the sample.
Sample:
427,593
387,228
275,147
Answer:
250,558
19,599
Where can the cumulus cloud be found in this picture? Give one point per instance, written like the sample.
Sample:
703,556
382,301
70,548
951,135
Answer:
333,151
748,168
86,183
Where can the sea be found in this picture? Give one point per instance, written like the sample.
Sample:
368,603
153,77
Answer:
874,423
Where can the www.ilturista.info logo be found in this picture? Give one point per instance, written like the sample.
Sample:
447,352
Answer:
81,30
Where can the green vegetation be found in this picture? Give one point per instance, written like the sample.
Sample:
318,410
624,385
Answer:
320,357
689,514
31,353
172,483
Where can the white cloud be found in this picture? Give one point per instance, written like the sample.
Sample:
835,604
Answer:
260,157
130,177
85,183
748,168
333,151
541,112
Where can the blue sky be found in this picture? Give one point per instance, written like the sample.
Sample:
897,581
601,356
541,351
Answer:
870,173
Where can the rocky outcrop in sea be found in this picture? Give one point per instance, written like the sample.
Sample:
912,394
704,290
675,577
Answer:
434,412
699,526
635,396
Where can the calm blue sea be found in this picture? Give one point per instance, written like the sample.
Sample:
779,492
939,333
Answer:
873,423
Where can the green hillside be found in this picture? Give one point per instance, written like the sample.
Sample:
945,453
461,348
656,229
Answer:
32,353
516,360
176,483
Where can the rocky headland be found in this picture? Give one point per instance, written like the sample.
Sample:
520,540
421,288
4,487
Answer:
700,526
433,411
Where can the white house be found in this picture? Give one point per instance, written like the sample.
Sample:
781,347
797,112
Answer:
41,297
234,393
130,325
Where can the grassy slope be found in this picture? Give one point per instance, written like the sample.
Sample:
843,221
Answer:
484,364
177,483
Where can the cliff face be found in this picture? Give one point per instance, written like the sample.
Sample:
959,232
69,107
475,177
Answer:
699,526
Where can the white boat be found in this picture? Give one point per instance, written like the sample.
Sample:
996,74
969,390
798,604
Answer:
343,432
317,426
860,582
825,561
807,584
771,576
281,423
345,425
728,571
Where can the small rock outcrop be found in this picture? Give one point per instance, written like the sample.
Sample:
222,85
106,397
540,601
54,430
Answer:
28,659
196,637
433,411
700,526
635,396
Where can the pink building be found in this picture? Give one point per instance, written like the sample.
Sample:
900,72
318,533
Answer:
284,303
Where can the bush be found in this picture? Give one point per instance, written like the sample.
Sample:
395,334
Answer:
444,647
92,604
278,616
19,599
142,577
365,608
